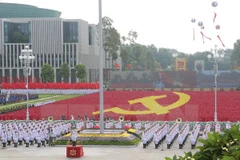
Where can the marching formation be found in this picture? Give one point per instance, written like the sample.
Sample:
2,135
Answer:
31,132
44,132
158,132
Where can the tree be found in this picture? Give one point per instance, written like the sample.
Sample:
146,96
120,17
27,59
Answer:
150,57
81,72
47,73
235,57
165,57
132,36
64,72
124,55
123,38
111,39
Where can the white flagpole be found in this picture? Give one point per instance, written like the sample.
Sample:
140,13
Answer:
101,70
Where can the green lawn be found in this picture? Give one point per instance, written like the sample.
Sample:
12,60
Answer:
42,98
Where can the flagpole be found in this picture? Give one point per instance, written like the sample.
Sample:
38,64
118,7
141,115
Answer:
101,70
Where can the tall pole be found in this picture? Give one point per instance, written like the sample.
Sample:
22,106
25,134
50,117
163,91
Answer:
217,56
27,116
215,97
101,69
26,58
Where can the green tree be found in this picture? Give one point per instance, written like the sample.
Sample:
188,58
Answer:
132,36
47,73
81,72
111,39
235,57
150,57
165,57
64,72
124,55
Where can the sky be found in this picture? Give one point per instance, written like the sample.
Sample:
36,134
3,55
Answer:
164,23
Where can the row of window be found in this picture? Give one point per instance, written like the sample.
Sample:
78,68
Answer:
10,58
13,61
21,32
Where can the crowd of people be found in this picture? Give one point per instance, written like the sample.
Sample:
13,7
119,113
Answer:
29,133
9,97
52,91
160,132
44,132
24,106
51,85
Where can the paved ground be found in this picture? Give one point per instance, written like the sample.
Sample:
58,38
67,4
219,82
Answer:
94,153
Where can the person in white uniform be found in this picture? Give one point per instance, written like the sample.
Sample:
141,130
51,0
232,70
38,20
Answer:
4,138
228,125
74,137
15,139
27,138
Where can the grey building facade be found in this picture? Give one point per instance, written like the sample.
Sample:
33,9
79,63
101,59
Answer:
53,40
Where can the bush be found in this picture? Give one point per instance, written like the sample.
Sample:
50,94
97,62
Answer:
224,146
100,142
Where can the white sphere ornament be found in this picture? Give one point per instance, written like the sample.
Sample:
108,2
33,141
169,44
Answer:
200,24
214,3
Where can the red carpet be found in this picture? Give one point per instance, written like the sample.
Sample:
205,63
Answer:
188,105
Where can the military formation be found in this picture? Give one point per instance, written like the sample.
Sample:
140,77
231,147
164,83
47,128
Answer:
160,132
44,132
30,133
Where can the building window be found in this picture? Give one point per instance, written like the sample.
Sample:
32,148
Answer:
17,32
1,60
90,35
70,32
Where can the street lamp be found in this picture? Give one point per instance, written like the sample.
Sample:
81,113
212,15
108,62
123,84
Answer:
215,57
26,59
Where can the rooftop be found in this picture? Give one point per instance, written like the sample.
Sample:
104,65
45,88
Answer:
14,10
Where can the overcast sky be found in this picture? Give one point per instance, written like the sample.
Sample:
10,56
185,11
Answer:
164,23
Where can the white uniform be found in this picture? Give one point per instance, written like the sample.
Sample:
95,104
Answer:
4,137
15,139
74,135
228,125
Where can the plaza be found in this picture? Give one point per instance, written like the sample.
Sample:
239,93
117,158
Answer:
94,152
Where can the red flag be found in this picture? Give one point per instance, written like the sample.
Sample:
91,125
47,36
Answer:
215,15
117,65
221,41
203,36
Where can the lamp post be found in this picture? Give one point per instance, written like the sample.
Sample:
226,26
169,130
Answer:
215,57
26,59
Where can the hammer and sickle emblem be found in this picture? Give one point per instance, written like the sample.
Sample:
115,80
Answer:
152,105
73,152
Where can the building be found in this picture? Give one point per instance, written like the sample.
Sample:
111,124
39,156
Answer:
53,40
